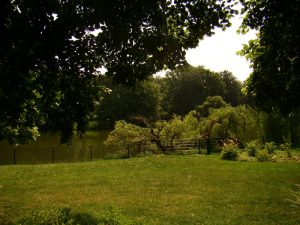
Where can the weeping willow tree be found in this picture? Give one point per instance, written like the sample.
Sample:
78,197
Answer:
241,123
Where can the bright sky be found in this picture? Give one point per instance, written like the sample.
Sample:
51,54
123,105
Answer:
218,52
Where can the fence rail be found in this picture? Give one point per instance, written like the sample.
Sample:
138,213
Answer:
202,145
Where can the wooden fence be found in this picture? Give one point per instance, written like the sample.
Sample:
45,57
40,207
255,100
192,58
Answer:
170,146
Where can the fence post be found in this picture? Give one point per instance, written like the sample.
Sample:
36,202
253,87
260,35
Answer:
198,143
91,153
208,146
14,154
53,158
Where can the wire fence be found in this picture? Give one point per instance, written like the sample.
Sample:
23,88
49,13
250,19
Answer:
53,154
81,152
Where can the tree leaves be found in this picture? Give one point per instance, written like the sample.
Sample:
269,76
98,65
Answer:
275,54
52,39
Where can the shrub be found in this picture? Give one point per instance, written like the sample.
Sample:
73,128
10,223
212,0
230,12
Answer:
229,154
263,156
286,147
252,148
230,150
289,153
243,157
270,147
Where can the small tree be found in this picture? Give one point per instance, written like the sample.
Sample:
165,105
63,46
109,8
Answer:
126,134
173,130
177,127
164,131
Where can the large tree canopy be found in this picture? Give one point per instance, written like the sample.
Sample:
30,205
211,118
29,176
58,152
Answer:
51,50
275,54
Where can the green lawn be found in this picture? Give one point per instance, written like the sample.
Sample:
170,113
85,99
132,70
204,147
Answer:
192,189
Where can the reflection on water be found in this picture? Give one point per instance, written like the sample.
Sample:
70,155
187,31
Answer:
47,149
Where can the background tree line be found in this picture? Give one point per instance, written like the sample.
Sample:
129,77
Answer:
192,88
179,92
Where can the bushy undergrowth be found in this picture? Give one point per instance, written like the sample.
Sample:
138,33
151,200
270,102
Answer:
270,147
252,148
270,151
263,156
254,151
230,150
66,216
286,148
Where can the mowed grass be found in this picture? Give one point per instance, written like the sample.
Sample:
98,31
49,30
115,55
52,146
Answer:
192,189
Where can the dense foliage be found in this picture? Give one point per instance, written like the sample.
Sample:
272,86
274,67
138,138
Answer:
215,102
256,151
241,124
51,51
275,54
123,102
188,87
162,97
275,59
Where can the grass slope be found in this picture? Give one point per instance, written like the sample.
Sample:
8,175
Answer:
194,189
